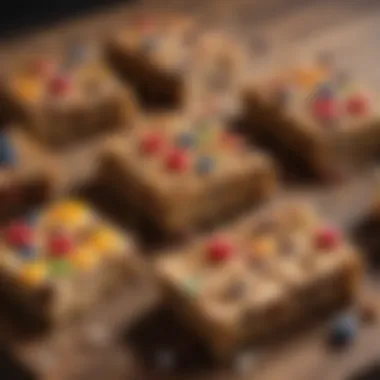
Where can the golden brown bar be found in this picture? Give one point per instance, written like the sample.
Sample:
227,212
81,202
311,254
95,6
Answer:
60,260
318,112
267,272
185,173
67,96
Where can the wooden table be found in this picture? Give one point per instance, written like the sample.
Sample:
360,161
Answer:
111,343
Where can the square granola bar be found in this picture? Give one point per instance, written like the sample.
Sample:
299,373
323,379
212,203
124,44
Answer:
67,96
267,272
170,60
184,173
59,261
317,111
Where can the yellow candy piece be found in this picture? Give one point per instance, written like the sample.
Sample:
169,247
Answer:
307,78
93,72
34,274
106,241
27,87
68,213
85,258
264,246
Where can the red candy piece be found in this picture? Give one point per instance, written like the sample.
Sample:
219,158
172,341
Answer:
42,67
327,238
60,245
177,160
59,85
152,143
325,109
19,234
220,249
357,105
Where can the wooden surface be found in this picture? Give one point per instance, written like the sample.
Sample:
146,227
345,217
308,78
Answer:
119,340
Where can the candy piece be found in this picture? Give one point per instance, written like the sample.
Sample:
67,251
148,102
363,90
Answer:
325,109
60,85
186,140
327,238
308,78
325,91
42,67
34,274
60,245
357,105
85,259
191,286
27,252
60,268
28,88
205,165
77,54
7,152
177,160
263,247
19,235
67,213
220,249
32,217
152,143
106,241
343,330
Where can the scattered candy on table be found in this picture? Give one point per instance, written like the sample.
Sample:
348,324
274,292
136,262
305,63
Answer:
343,330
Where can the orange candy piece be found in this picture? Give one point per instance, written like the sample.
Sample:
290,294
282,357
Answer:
307,78
27,87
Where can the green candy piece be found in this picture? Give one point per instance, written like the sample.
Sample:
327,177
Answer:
191,286
206,136
60,268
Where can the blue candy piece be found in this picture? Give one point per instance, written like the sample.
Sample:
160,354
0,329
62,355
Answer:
325,91
7,152
32,217
27,253
186,140
77,53
343,330
205,165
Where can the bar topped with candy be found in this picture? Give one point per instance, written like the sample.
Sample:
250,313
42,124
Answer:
184,172
319,111
168,58
66,252
265,273
66,96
